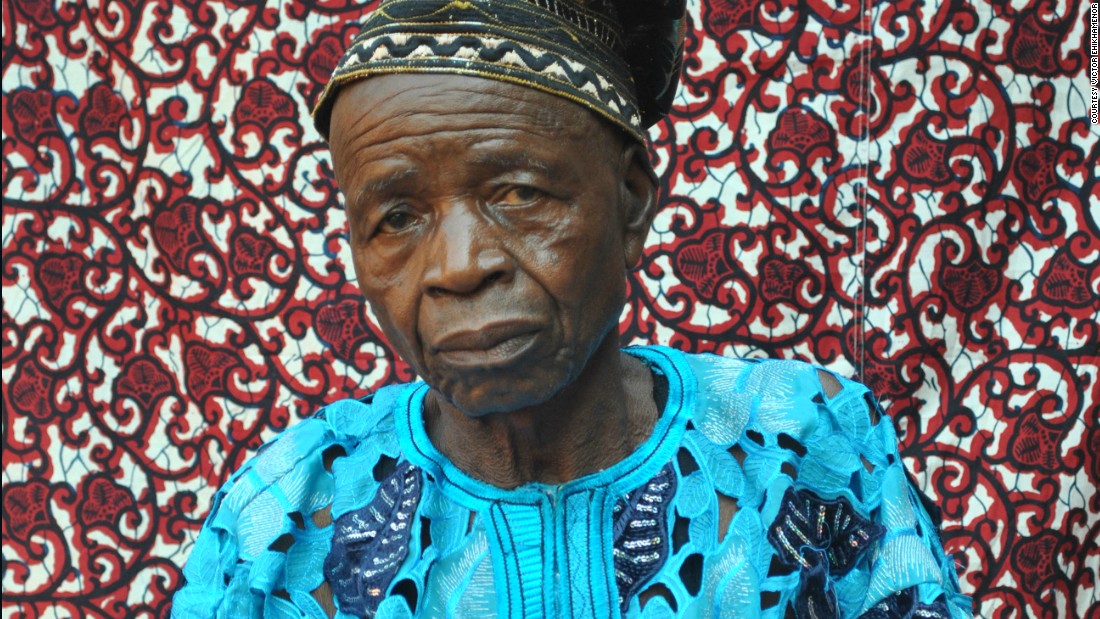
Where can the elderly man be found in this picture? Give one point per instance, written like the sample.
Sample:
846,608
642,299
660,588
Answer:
493,158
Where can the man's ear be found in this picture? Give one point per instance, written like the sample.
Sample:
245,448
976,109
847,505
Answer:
638,196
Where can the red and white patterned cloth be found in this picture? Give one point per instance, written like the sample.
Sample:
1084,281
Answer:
906,192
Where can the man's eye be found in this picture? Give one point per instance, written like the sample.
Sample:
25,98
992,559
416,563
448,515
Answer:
396,221
520,195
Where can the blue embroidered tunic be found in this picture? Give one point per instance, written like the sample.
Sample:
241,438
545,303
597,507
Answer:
826,522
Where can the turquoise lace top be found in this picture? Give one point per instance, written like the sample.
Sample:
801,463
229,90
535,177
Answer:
826,523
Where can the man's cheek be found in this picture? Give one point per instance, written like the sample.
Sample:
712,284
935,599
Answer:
395,334
559,250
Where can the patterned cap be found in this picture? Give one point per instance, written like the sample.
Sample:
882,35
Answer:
622,62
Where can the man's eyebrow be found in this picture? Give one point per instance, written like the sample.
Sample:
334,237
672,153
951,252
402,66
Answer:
384,184
506,161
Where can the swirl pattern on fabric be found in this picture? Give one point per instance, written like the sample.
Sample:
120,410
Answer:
897,191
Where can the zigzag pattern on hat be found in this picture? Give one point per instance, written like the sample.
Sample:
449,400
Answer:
478,53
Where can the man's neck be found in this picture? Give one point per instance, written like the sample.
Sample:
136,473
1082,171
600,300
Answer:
590,425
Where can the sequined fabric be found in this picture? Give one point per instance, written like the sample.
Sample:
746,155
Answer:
820,538
906,605
369,544
641,533
810,524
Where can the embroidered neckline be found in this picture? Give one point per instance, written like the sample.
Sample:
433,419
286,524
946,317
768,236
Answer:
631,472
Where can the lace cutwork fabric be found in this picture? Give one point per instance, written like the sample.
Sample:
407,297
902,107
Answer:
827,524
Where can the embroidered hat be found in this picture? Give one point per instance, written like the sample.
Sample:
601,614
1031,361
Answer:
619,58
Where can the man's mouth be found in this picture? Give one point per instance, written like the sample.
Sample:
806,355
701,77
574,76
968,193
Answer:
497,343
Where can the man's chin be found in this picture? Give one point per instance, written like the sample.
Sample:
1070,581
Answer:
495,396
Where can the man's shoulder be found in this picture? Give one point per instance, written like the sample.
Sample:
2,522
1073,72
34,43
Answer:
274,511
773,397
290,476
341,422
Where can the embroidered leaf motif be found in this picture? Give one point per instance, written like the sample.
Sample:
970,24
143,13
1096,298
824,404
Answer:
371,543
824,539
641,533
808,522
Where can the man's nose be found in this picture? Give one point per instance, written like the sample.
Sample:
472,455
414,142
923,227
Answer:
464,254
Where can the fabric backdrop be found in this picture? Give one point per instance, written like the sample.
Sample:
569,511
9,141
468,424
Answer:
905,192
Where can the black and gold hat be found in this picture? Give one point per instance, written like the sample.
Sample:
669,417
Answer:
619,58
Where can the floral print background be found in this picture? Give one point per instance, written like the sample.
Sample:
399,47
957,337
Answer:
903,191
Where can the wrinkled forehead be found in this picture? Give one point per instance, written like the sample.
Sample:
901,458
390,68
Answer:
422,123
426,104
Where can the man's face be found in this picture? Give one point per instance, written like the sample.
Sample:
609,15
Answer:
491,229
